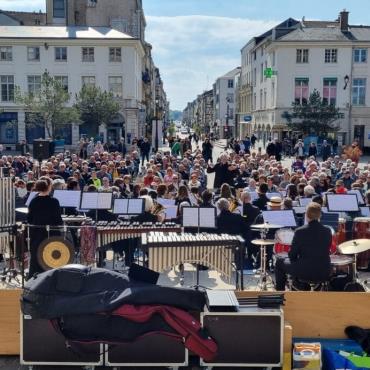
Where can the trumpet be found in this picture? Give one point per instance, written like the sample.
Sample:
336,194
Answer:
234,204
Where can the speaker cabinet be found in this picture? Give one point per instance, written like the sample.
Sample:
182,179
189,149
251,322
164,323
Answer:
250,337
42,345
42,149
152,350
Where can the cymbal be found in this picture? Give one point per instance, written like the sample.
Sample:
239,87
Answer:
263,242
22,210
354,246
266,225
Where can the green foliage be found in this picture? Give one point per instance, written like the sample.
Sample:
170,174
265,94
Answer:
197,129
96,107
48,106
171,129
314,117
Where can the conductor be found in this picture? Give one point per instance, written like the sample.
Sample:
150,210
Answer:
309,257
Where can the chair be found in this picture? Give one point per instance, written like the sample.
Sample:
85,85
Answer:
302,285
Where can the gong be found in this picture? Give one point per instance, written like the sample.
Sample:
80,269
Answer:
55,252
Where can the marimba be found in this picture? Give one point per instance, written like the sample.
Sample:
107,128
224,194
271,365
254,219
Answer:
212,250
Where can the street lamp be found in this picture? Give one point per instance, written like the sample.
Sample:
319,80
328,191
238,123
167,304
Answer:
157,109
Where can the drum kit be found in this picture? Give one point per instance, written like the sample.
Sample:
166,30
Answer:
354,254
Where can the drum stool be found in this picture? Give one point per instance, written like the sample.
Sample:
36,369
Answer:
313,284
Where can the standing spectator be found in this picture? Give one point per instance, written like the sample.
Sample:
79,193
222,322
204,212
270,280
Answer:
335,146
207,149
253,140
299,149
325,150
312,150
247,145
278,150
145,150
99,147
121,147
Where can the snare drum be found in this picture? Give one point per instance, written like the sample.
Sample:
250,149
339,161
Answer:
361,230
283,240
341,272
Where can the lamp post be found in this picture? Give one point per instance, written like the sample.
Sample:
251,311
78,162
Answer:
156,124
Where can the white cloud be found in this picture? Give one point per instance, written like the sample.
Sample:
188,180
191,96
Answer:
192,51
22,5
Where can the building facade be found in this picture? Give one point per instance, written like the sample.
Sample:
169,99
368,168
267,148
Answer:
77,56
224,104
287,63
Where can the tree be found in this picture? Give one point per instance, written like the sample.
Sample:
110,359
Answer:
96,107
314,117
47,106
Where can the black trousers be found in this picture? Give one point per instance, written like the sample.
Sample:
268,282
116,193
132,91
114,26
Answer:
282,269
143,157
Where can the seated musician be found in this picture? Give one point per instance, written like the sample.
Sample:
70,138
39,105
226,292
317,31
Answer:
262,200
250,212
43,210
147,215
309,257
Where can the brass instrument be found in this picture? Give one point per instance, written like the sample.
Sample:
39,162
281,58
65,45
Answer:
157,209
234,204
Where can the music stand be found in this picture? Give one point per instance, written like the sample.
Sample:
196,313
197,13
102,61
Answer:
200,218
96,201
342,202
128,207
68,198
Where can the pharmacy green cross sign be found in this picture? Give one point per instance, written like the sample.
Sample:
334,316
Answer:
269,72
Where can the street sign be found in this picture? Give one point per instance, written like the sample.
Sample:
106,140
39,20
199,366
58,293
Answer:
247,118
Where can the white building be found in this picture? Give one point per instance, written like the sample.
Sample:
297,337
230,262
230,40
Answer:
77,55
224,103
331,57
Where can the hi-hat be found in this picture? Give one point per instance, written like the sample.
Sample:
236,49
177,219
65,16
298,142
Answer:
22,210
354,246
263,242
266,225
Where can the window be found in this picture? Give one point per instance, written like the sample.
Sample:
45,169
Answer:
34,84
60,54
6,53
331,55
87,54
264,98
7,88
115,86
261,97
230,98
63,80
254,101
301,90
115,54
88,80
255,77
254,55
302,56
265,67
230,84
58,9
360,55
261,76
358,91
273,94
273,58
33,54
330,91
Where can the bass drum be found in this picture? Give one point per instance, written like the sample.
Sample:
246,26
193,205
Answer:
55,252
283,240
361,230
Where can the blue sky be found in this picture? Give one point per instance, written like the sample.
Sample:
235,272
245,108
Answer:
195,41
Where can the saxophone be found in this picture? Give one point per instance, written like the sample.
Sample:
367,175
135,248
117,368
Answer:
157,209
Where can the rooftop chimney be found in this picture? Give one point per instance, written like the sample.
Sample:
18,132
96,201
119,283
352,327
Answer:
343,19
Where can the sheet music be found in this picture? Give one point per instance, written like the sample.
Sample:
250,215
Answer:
283,193
171,212
89,200
365,211
190,216
135,206
30,197
166,202
342,202
104,200
207,217
68,198
305,201
299,210
283,218
270,195
120,206
254,195
193,201
360,198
